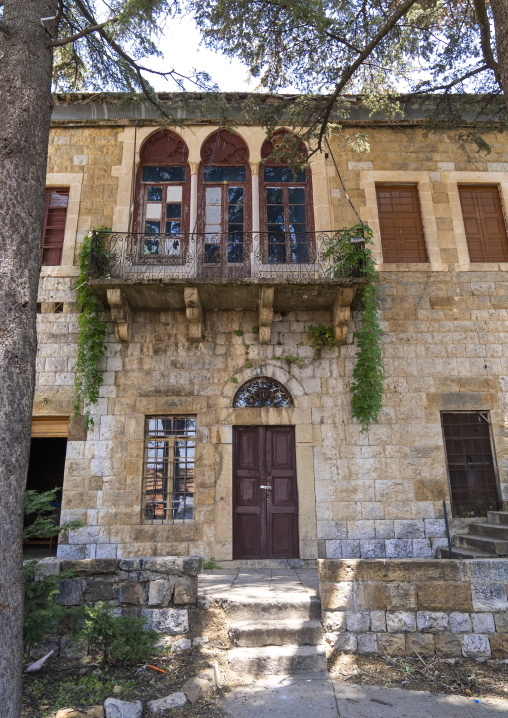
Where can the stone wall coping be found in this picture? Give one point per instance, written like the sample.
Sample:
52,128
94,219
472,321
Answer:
413,570
172,565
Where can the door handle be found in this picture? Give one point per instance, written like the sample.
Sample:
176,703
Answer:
266,487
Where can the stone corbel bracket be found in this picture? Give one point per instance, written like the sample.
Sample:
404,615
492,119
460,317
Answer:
121,314
194,313
340,313
266,295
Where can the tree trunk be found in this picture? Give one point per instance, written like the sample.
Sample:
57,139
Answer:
500,14
25,112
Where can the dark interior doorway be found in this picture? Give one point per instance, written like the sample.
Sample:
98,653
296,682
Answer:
45,472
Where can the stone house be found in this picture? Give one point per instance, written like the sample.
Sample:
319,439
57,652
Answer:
209,438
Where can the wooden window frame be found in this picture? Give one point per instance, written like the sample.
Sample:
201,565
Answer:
55,246
397,186
486,259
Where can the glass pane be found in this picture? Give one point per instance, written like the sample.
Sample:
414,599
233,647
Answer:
213,214
213,195
284,174
225,174
153,210
151,246
152,227
174,194
235,195
154,194
173,211
163,174
212,229
274,195
275,213
172,246
235,249
212,253
58,200
297,213
296,195
235,214
173,228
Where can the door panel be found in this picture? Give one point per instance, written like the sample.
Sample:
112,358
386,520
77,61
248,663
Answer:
265,521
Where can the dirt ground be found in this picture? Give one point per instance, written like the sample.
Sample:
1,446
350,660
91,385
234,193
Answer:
463,677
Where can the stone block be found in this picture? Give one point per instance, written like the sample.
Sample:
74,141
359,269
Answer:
391,644
91,567
406,570
183,644
401,597
131,592
501,621
345,643
71,552
186,590
443,596
357,622
160,592
48,566
39,650
431,622
448,645
372,548
336,596
489,596
100,589
333,548
367,643
334,621
72,647
409,529
70,591
460,622
170,621
483,623
499,645
370,596
180,566
122,709
399,621
489,569
378,621
399,548
422,643
91,712
475,645
197,688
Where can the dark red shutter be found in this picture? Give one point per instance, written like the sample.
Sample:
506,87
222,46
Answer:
55,216
400,221
484,223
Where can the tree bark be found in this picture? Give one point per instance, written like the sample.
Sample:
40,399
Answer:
500,15
25,112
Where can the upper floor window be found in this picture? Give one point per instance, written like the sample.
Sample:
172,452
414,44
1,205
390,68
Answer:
286,206
225,211
400,222
55,216
484,223
162,195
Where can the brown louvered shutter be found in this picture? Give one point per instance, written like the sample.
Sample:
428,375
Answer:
55,216
484,223
400,221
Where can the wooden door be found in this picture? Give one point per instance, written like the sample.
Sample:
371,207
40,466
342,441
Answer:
265,498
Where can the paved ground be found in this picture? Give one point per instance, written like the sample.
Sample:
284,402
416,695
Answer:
263,583
315,696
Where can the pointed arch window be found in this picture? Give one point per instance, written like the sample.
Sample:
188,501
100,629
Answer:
286,211
225,212
162,196
262,391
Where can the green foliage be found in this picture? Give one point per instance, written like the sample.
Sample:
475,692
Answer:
248,365
39,513
367,385
118,638
238,332
77,690
321,336
210,564
92,332
234,380
291,359
255,329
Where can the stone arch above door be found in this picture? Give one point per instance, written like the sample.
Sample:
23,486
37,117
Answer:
262,391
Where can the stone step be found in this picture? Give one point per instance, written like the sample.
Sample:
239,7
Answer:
465,553
278,659
296,606
276,633
481,543
273,563
495,531
498,517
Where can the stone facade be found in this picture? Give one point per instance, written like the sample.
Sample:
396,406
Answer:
372,495
451,609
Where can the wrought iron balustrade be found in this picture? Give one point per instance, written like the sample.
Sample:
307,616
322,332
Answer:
235,255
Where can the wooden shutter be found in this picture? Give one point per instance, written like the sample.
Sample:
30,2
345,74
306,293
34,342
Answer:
55,216
400,220
484,223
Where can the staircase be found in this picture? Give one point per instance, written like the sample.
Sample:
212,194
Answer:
485,540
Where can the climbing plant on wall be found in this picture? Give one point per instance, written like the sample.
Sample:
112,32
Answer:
349,260
92,333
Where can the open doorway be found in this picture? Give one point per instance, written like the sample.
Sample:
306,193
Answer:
46,469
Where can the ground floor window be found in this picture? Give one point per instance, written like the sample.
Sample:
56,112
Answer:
471,463
170,443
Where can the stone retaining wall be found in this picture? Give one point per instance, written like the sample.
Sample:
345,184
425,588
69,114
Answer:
161,589
447,608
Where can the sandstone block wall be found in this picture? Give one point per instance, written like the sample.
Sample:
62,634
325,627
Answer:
446,608
160,589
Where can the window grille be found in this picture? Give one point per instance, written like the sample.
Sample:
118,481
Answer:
170,443
262,391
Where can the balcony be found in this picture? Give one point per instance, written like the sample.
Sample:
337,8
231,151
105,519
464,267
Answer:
237,271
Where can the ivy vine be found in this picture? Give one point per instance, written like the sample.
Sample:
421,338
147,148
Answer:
92,334
321,336
349,260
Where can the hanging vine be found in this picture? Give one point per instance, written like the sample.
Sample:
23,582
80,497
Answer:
92,333
368,376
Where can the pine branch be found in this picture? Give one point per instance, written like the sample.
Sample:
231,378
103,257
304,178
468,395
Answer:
484,24
82,33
